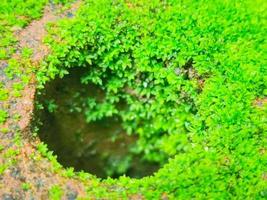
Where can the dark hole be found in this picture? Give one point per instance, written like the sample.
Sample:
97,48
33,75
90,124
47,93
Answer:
102,147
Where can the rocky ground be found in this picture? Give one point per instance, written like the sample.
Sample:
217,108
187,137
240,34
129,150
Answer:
26,174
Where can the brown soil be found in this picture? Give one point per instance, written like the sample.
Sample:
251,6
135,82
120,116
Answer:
260,102
32,37
34,33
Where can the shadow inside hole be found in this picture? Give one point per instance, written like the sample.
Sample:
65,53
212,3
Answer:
102,148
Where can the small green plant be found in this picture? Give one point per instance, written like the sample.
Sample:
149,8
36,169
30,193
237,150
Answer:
17,88
3,93
4,130
11,153
16,117
25,186
55,192
26,53
118,165
187,74
3,167
42,148
69,172
3,116
83,175
51,106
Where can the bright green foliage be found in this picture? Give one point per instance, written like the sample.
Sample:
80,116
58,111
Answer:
16,14
3,92
3,116
2,168
188,73
13,15
25,186
55,193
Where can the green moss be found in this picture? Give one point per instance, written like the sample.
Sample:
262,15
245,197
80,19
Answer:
3,167
188,72
25,186
3,93
4,130
55,192
13,15
3,116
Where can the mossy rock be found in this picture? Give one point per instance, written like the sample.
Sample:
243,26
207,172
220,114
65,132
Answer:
192,78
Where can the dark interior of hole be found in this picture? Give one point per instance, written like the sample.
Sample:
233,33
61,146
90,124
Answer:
102,148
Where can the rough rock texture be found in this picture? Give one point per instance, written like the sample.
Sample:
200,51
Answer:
28,175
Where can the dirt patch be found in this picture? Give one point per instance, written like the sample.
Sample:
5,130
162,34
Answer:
260,102
32,37
34,33
24,163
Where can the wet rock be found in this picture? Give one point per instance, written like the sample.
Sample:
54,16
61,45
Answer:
178,71
72,195
18,193
3,64
15,173
52,5
10,136
69,15
32,197
40,183
32,168
14,127
10,144
7,197
18,51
